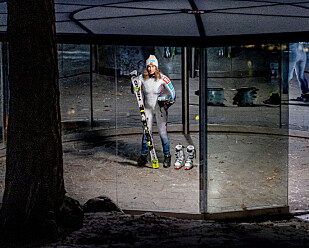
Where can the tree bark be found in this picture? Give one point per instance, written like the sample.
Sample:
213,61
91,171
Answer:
34,186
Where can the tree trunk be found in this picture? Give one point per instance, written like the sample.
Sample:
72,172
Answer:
34,187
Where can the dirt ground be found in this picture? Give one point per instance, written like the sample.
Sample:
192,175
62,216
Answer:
148,230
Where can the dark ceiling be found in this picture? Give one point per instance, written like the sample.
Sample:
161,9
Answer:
179,22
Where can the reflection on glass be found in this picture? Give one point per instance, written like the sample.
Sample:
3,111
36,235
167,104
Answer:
74,82
297,64
246,80
247,168
194,63
298,85
111,63
90,170
104,87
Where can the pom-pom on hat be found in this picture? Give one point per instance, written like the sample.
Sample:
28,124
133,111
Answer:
152,60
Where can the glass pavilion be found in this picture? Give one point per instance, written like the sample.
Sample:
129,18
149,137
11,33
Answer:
229,64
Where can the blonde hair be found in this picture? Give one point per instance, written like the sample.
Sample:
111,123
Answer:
157,74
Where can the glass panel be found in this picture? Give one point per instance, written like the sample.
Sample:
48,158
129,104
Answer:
142,187
90,168
246,120
2,96
4,101
244,79
104,87
194,92
1,100
3,66
74,83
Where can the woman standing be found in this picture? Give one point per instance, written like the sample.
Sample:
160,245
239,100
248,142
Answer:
153,84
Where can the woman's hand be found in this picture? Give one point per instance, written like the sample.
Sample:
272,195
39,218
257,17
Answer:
168,103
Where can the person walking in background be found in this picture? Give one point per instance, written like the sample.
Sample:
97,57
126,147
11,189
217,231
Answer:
297,63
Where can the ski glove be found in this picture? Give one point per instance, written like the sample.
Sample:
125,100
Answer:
168,103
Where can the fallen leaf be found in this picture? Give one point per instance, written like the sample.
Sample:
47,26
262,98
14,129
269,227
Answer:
116,94
271,178
243,206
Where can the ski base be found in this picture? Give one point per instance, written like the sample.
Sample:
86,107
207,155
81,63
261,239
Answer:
155,163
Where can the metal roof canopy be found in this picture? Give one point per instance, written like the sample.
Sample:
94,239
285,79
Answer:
178,22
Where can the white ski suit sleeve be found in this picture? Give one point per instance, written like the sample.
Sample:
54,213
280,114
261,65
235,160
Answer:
169,86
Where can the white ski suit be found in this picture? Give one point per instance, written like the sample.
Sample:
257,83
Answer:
152,90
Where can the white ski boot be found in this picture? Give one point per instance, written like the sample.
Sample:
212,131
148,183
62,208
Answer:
180,157
190,156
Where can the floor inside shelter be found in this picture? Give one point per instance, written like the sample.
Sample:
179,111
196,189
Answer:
254,180
111,169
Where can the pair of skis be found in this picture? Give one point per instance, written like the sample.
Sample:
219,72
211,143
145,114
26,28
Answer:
136,82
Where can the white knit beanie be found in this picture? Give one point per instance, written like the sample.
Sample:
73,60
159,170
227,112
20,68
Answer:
152,60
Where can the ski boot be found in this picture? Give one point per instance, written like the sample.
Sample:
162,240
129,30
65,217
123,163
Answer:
180,157
190,156
273,99
167,161
142,160
305,97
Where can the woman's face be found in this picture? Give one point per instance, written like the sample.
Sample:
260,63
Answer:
151,69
